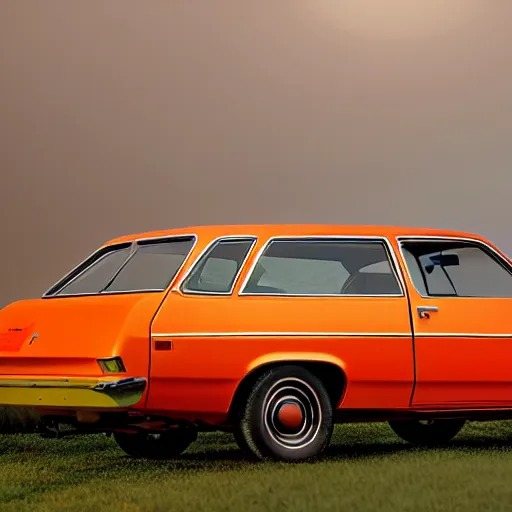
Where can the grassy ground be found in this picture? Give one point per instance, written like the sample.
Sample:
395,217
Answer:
366,468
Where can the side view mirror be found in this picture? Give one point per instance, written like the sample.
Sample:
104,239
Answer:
442,260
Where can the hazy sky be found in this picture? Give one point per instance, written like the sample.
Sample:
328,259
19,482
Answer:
125,116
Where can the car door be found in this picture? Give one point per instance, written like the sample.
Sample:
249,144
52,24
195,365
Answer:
461,298
319,298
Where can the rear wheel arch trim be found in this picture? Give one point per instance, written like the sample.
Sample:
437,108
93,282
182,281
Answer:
294,358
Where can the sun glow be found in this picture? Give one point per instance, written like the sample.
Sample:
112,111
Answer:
396,18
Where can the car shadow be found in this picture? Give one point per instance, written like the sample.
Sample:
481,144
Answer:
368,450
220,450
356,451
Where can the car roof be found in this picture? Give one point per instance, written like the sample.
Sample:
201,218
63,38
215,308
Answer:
283,230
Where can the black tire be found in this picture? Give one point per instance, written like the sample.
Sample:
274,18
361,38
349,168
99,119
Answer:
242,443
19,420
428,433
301,433
165,445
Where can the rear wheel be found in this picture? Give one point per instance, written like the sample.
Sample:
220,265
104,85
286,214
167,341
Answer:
287,416
427,433
165,445
242,443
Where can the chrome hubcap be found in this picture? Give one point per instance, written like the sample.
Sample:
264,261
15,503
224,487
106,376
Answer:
292,413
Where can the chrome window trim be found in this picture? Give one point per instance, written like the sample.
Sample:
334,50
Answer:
232,238
342,238
123,292
133,244
433,238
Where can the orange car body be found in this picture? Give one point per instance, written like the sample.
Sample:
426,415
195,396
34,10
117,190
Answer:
184,355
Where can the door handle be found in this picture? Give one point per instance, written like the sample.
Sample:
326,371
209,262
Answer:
424,311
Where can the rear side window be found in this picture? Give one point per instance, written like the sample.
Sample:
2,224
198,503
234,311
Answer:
323,267
142,266
217,270
151,267
96,276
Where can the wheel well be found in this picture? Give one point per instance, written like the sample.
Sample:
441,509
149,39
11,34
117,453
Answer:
331,375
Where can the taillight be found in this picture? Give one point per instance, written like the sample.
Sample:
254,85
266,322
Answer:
112,365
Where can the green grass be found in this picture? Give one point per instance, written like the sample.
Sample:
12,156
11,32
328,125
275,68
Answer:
366,468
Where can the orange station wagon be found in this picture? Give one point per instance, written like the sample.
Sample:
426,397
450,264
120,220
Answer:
273,333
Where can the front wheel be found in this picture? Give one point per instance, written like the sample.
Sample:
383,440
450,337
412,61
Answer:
164,445
286,417
427,433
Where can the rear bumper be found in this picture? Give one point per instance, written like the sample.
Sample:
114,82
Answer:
72,392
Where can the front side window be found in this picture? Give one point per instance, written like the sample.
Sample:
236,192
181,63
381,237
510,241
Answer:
323,267
141,266
217,270
457,269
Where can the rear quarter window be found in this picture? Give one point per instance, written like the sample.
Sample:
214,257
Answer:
217,270
151,267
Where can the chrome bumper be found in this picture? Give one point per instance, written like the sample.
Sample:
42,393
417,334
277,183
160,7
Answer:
72,392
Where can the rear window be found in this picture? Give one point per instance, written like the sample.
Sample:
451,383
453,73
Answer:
142,266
